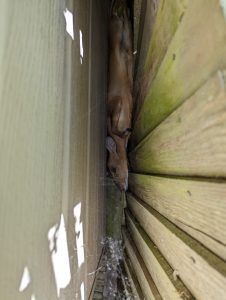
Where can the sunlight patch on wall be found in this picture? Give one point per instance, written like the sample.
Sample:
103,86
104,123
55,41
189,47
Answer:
79,235
33,297
25,280
59,254
223,5
69,23
82,291
81,46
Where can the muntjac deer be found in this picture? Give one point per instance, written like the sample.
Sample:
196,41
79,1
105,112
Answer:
119,99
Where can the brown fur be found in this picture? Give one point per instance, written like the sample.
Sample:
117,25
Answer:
119,99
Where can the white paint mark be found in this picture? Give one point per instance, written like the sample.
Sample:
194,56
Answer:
82,291
25,280
81,46
59,254
69,23
223,5
79,235
33,297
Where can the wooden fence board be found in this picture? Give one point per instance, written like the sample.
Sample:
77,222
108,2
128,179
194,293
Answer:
169,16
135,286
146,282
147,19
197,49
192,140
202,271
161,272
197,207
163,18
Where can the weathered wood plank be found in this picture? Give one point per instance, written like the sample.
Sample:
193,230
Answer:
146,24
135,286
202,271
148,13
197,207
164,18
163,275
146,282
197,49
169,16
192,140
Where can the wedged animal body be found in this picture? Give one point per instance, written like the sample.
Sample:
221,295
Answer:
119,98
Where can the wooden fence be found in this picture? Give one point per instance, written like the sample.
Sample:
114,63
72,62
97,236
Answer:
175,233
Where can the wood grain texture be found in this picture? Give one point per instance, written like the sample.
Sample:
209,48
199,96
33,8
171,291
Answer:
202,272
146,282
192,140
197,49
148,14
168,18
135,286
164,17
168,285
197,207
147,19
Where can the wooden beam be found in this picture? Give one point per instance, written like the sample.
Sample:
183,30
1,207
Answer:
192,140
146,282
197,49
197,207
202,271
168,285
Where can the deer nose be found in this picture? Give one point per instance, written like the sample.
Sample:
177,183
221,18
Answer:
122,186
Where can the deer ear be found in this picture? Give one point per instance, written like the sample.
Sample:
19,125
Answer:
110,144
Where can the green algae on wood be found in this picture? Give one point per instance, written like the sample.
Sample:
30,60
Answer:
169,14
197,49
192,140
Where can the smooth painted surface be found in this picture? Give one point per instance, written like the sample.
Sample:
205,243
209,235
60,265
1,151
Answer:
48,156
